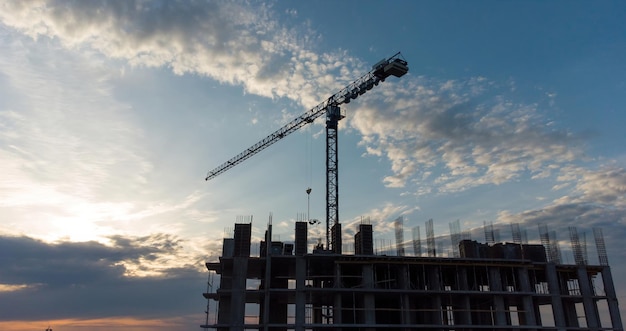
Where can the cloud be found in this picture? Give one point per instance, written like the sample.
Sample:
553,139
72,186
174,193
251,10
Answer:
605,186
462,132
381,219
596,200
59,118
69,279
45,135
77,163
458,128
232,42
457,133
64,142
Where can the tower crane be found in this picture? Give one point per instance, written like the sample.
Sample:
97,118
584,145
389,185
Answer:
392,66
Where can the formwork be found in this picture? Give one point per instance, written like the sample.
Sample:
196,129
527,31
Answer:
499,286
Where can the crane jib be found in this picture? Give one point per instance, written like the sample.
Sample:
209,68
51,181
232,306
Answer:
393,66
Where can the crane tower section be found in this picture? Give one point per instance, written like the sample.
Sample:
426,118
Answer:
393,66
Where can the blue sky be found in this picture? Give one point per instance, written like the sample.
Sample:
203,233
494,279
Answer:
111,114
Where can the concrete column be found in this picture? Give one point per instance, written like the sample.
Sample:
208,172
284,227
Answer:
317,309
238,299
405,304
300,293
555,293
528,316
609,288
264,311
591,310
223,313
571,316
369,304
495,285
538,314
465,314
337,305
434,284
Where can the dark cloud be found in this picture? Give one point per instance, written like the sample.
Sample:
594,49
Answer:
87,280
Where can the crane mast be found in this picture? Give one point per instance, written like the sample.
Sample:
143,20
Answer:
393,66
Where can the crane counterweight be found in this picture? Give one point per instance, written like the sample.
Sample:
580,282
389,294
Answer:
393,66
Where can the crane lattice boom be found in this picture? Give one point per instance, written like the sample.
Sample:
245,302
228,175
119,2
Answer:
393,66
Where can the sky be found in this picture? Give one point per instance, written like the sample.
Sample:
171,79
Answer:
112,113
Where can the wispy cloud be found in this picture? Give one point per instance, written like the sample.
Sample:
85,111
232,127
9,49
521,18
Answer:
65,141
605,186
380,218
438,136
75,161
460,134
232,42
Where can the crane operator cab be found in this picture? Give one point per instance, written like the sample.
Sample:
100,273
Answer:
385,68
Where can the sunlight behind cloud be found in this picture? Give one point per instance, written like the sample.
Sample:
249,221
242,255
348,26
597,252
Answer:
99,324
64,157
14,287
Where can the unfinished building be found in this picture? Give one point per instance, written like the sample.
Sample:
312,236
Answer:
483,286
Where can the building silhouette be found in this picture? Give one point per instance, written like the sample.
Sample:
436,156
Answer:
485,286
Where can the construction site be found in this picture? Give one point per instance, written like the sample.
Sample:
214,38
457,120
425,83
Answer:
479,286
367,284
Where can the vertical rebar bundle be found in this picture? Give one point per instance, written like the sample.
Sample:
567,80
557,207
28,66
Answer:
550,243
524,237
417,241
577,249
399,226
584,245
430,238
600,247
545,239
555,251
455,237
516,233
489,236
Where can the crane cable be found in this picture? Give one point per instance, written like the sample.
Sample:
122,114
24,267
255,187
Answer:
308,158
